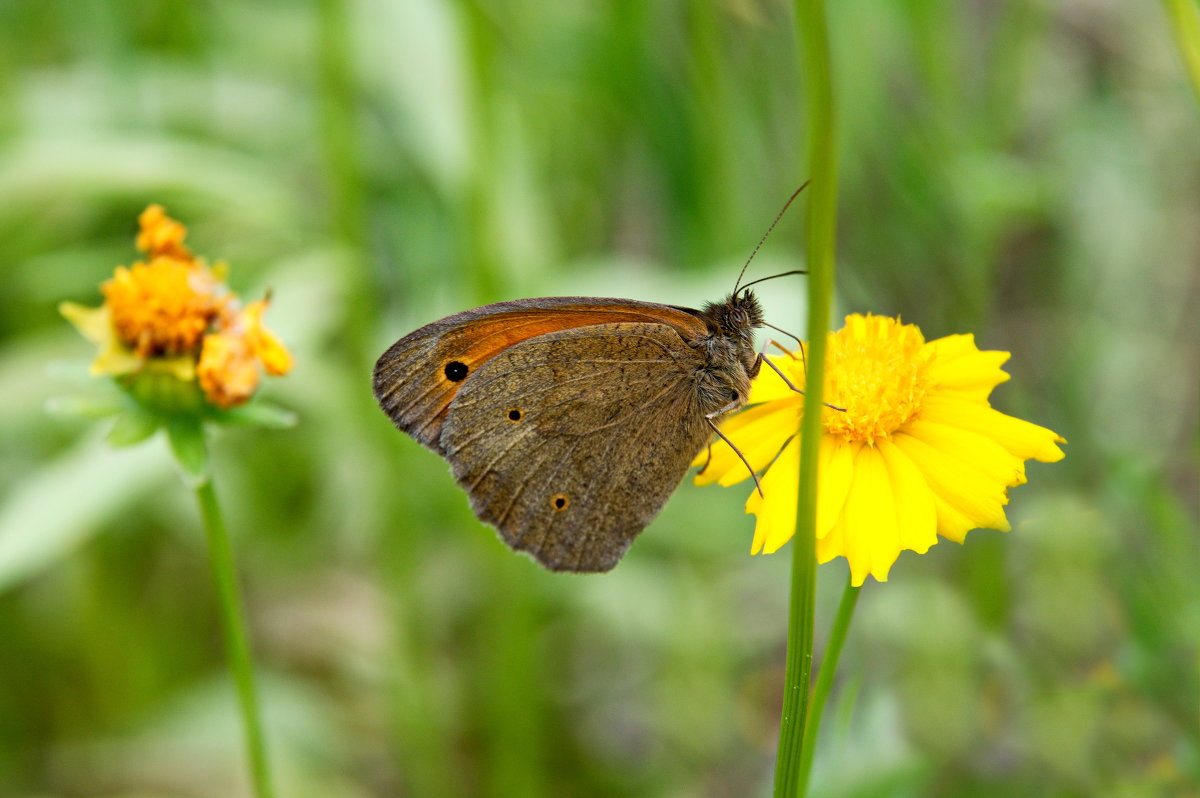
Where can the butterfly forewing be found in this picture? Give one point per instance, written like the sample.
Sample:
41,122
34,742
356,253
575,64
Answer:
416,379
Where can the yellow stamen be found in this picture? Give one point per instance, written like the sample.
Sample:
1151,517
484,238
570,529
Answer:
159,234
162,308
877,371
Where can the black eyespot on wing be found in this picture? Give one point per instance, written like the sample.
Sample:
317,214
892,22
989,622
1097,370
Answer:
559,501
456,371
515,414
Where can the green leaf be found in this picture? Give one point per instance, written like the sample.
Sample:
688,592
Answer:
134,425
260,414
186,436
51,511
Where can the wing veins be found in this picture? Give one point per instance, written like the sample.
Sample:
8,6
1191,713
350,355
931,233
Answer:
568,400
521,489
484,471
587,536
552,386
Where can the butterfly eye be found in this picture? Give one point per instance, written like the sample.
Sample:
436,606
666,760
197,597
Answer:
559,501
515,414
456,371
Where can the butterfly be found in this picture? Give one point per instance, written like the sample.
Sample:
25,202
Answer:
569,421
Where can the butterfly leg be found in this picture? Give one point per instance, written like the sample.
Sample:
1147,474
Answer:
795,338
786,351
721,435
763,359
708,459
782,376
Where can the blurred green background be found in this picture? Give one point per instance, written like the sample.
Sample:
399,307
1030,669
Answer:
1027,171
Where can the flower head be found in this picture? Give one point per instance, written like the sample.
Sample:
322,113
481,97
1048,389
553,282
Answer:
172,314
913,451
163,307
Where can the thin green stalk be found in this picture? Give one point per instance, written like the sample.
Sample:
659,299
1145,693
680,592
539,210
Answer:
233,626
826,675
812,35
1185,19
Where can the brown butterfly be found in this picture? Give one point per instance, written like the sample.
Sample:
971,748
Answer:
569,421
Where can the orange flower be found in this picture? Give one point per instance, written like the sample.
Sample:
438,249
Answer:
164,307
173,314
228,367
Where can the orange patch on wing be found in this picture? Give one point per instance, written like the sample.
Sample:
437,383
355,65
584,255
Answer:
476,342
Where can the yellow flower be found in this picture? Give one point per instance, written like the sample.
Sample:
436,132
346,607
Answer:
916,451
174,315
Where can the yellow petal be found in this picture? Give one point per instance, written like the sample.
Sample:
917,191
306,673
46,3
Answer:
265,345
835,470
759,433
1021,438
776,508
872,535
834,542
113,359
952,523
769,387
970,494
978,451
94,324
916,514
958,367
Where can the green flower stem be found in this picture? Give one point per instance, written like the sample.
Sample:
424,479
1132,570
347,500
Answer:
822,228
236,641
1185,19
826,675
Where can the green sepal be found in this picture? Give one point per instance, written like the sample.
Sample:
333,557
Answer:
185,433
258,414
134,425
163,393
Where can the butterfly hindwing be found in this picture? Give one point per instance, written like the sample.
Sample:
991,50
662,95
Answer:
570,442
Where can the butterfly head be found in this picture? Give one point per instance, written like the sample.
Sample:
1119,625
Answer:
736,317
731,327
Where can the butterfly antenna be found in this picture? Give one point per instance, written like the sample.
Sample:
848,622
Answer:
758,246
772,277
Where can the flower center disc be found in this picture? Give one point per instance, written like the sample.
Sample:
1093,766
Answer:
877,370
